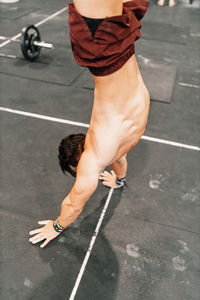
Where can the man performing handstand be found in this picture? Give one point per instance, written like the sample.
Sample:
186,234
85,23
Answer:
102,35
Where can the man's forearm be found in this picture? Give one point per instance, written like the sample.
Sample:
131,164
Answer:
85,185
120,167
69,210
73,204
68,213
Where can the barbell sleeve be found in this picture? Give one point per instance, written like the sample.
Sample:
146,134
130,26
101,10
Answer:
35,43
43,45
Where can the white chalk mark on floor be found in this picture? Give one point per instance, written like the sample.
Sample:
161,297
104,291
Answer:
156,182
195,34
27,283
192,196
184,246
58,120
189,197
62,239
179,263
78,280
144,59
132,250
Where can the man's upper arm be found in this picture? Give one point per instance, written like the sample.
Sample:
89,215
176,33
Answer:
87,177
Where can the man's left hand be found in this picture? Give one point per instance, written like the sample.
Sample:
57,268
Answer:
46,233
109,179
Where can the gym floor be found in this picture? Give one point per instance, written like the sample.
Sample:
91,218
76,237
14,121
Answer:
148,245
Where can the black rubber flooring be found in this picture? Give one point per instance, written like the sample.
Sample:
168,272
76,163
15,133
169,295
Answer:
148,246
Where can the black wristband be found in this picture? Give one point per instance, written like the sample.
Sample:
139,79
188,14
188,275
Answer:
120,181
57,229
59,225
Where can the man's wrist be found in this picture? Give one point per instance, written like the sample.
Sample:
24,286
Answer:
58,227
120,181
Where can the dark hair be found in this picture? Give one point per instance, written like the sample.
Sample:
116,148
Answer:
70,150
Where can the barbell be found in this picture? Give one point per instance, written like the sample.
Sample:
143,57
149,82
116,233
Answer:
30,42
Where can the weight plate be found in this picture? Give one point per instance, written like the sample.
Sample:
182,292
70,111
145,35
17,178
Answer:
30,34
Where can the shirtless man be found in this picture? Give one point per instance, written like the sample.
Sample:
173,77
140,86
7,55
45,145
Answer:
121,101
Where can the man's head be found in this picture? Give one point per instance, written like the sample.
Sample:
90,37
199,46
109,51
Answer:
70,150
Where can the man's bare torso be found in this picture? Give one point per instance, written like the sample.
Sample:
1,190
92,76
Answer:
119,115
121,100
98,8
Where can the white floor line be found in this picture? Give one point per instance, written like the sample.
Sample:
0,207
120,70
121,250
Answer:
37,24
7,55
58,120
78,280
9,41
171,143
51,16
43,117
189,85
